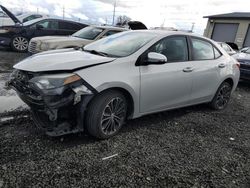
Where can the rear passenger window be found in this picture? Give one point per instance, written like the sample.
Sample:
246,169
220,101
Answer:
202,50
68,26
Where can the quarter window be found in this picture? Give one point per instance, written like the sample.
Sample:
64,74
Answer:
202,50
174,48
217,53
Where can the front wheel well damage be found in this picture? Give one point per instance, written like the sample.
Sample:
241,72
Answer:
230,81
127,95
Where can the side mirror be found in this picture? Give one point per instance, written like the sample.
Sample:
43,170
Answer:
39,27
156,58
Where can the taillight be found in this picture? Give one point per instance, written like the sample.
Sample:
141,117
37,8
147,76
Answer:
238,64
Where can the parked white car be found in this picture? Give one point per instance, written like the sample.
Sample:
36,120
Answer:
123,76
227,48
78,39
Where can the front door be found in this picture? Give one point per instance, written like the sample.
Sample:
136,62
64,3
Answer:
168,85
44,28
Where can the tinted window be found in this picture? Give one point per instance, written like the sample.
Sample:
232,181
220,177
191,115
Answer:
202,50
48,24
68,26
111,32
174,48
217,53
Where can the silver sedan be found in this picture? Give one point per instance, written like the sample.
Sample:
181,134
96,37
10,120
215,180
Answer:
123,76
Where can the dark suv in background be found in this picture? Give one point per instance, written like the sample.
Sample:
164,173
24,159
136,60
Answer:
17,36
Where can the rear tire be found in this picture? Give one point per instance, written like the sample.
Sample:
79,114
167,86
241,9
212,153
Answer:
106,114
20,44
222,96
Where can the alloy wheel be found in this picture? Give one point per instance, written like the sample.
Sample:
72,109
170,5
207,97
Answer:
20,43
223,96
113,116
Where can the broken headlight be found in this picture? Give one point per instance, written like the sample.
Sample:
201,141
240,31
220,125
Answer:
54,81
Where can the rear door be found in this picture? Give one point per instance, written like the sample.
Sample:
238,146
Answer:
208,68
168,85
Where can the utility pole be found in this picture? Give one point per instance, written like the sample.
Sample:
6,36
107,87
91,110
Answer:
114,13
63,11
163,23
37,10
192,28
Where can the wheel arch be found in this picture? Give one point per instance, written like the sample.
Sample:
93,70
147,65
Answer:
128,92
230,81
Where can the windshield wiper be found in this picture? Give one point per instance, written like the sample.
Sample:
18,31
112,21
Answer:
97,52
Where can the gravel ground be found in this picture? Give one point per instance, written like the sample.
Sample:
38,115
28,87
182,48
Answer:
189,147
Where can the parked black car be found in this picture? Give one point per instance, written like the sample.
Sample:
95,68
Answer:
244,59
17,36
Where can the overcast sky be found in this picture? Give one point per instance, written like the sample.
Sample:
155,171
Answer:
172,13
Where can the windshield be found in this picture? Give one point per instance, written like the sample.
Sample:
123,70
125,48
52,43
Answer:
121,44
32,21
89,33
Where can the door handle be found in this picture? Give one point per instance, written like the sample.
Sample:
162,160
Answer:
222,65
188,69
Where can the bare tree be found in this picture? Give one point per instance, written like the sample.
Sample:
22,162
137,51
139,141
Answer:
122,20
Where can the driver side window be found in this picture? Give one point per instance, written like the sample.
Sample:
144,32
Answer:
174,48
47,24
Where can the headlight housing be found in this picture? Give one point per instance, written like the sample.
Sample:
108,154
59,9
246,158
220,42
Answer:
54,81
4,31
44,46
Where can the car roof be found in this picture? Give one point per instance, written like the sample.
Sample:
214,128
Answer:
166,33
49,18
110,27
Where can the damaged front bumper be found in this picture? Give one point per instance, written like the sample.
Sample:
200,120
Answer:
56,111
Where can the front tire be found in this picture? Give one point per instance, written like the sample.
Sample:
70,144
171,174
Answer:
222,96
20,44
106,114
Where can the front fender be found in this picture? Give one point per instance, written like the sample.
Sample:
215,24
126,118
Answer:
121,85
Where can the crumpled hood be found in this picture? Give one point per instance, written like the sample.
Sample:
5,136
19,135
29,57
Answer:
61,60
